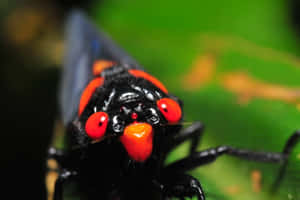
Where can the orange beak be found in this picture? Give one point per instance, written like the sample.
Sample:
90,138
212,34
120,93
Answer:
138,141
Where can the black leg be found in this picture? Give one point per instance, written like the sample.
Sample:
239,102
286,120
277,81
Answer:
62,178
182,185
210,155
193,132
289,146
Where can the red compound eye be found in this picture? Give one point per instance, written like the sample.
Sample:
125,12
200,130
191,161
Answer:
96,124
170,109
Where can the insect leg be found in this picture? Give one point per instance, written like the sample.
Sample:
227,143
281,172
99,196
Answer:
62,178
289,146
193,132
182,185
210,155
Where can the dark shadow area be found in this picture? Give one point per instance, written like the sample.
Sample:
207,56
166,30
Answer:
28,83
28,101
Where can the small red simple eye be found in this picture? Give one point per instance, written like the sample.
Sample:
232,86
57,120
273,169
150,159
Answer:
96,124
134,116
170,109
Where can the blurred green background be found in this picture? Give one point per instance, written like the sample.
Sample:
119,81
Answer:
235,64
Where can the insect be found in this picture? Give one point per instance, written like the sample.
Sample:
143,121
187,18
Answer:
121,123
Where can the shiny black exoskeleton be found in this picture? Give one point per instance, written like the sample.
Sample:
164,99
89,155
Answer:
127,123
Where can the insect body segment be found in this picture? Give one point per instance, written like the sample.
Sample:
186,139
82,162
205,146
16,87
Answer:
98,67
142,74
88,92
127,113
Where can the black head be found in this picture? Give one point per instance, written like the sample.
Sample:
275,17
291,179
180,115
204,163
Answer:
130,109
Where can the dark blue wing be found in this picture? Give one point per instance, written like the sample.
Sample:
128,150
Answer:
84,44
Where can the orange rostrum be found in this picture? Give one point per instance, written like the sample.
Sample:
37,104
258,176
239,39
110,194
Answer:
138,141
